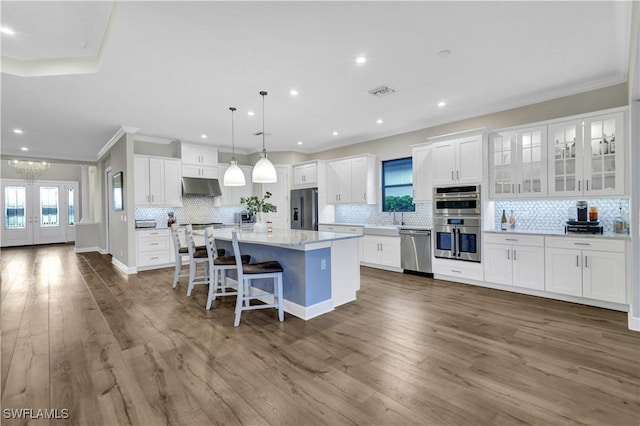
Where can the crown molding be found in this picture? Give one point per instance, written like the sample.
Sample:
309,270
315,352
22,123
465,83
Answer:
123,130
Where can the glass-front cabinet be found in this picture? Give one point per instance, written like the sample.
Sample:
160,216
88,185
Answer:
518,163
586,156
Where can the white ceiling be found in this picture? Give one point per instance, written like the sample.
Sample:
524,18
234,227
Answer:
75,72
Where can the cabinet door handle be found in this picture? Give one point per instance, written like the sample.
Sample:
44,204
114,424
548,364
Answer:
581,244
586,262
514,254
578,186
511,239
587,184
451,174
458,174
518,188
513,188
364,195
577,261
508,258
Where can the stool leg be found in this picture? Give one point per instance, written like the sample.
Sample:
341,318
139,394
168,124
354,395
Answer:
278,280
236,322
192,276
176,274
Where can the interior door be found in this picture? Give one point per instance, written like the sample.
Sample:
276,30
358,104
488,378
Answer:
49,218
16,227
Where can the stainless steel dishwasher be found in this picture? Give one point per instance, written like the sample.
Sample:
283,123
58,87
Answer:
415,250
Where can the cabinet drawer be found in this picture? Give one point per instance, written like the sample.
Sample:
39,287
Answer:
153,258
514,239
585,244
341,228
151,244
457,268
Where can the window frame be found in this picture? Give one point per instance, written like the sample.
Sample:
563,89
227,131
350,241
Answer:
384,186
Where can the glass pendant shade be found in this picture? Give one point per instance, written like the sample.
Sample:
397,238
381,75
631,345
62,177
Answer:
264,171
233,176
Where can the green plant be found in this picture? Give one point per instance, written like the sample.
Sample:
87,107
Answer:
256,205
399,203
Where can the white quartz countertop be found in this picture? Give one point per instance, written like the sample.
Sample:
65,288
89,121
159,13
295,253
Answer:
376,226
561,233
281,238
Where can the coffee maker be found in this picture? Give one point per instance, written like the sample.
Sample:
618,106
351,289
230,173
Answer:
582,224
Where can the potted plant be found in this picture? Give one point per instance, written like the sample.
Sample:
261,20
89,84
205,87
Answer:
257,206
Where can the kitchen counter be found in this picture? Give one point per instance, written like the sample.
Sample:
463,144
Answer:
388,230
561,233
321,269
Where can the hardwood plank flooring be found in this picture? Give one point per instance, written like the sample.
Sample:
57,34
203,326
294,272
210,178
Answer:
113,349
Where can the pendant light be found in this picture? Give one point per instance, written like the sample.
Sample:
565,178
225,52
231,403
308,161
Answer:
233,176
263,171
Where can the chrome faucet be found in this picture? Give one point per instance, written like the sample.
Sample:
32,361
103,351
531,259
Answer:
394,216
401,218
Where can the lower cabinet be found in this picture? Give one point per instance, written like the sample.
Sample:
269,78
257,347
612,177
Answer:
381,250
586,268
153,248
347,229
514,260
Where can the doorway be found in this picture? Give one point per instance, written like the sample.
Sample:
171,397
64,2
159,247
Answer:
41,213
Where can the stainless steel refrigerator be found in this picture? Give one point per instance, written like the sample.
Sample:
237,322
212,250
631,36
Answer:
304,209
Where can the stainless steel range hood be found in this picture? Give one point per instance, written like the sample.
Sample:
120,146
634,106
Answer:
201,186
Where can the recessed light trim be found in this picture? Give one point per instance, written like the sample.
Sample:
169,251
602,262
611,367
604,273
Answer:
441,104
293,92
203,136
251,113
361,59
299,142
444,53
379,121
7,30
18,131
24,148
335,133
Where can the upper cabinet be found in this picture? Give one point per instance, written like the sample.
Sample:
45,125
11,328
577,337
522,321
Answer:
157,181
586,156
518,160
305,175
231,195
352,180
457,161
422,173
199,161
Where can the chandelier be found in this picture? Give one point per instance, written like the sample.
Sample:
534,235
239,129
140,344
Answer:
29,170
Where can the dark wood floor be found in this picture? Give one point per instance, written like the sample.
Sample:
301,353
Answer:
116,349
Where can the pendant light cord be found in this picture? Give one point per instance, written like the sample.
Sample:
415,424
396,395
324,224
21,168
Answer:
263,93
233,136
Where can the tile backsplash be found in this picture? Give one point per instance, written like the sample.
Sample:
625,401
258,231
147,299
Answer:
370,214
551,215
194,210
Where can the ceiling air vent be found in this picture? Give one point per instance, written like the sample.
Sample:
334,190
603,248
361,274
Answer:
383,90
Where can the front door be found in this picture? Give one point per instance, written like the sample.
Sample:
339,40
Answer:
42,213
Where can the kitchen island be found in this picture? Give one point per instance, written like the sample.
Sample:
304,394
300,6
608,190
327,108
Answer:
321,269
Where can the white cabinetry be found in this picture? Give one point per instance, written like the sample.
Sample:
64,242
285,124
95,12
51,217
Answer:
516,260
157,181
305,175
280,192
347,229
352,180
458,161
585,267
381,251
153,248
518,160
422,173
231,195
199,161
586,156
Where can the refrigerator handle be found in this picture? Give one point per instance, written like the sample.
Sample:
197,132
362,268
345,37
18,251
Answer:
301,212
314,210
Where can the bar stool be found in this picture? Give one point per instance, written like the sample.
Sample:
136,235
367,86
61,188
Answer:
218,267
180,252
248,272
196,257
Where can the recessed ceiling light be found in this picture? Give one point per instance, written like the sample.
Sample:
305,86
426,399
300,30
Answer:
6,30
293,92
441,104
361,60
203,136
444,53
379,121
335,133
24,148
299,142
251,113
18,131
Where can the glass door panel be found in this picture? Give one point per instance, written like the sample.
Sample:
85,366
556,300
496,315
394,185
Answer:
604,153
565,162
532,179
15,207
502,159
49,206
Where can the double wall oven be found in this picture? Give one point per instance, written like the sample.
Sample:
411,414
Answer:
457,222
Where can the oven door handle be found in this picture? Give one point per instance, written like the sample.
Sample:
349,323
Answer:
455,243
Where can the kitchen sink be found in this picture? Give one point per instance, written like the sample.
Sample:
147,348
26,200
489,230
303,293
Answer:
383,230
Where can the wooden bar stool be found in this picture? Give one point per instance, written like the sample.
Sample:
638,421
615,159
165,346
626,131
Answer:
248,272
218,267
196,257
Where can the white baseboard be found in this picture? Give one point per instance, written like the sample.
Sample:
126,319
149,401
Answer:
124,268
302,312
634,322
86,249
103,251
386,268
